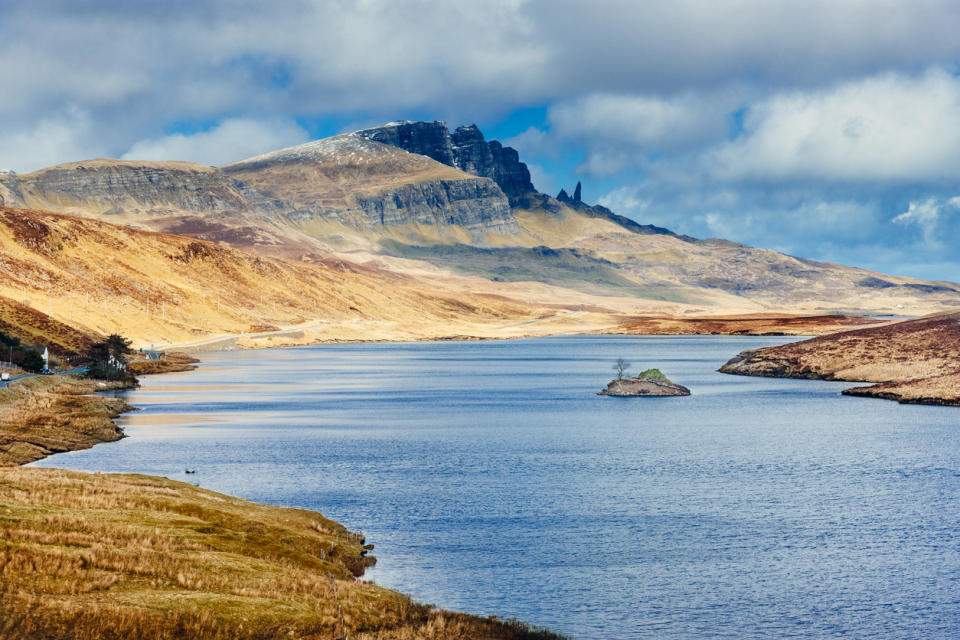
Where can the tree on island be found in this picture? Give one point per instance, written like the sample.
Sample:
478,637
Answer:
108,359
620,367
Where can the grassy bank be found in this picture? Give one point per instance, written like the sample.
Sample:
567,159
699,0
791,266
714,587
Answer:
170,363
124,556
109,556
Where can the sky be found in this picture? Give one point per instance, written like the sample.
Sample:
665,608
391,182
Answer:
824,129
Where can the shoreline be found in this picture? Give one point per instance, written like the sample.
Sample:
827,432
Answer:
569,323
413,616
313,565
913,361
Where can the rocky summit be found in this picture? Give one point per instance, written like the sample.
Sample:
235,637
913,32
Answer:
465,148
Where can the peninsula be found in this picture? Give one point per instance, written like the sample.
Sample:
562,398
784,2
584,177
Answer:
911,361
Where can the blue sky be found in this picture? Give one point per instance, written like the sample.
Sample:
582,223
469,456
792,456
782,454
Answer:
829,130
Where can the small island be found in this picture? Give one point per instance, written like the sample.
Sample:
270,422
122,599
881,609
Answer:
651,382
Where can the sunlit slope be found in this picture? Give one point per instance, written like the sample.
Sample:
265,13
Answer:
103,278
353,199
331,172
33,327
567,248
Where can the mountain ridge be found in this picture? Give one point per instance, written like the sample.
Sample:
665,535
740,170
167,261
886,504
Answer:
363,197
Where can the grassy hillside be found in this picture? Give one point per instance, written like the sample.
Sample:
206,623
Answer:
572,268
36,328
319,202
330,172
124,556
102,278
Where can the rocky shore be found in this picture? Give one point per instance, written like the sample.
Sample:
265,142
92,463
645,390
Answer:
52,414
636,387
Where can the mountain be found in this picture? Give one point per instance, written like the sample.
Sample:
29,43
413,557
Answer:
463,148
417,200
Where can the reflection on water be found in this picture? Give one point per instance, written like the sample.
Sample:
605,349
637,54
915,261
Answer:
129,420
493,480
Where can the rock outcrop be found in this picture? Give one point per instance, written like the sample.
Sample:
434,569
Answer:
638,387
474,204
107,186
465,148
599,211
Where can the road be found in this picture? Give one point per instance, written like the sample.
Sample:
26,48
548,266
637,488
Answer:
230,339
34,375
554,317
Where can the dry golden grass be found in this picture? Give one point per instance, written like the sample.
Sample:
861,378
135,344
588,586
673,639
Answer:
158,288
125,556
34,327
941,389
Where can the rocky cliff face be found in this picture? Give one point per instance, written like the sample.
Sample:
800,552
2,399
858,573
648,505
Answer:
476,205
115,187
464,148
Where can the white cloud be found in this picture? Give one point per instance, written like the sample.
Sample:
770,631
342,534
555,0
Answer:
649,122
534,142
134,66
931,216
886,128
229,141
625,200
60,137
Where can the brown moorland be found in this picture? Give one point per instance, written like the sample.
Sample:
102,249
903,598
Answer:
914,361
758,324
102,278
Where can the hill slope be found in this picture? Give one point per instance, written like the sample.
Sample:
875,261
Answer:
112,556
366,185
102,278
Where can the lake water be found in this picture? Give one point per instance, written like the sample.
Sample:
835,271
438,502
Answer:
493,480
